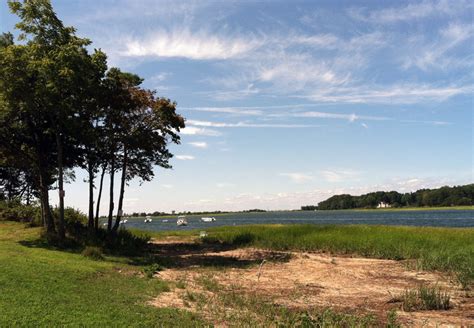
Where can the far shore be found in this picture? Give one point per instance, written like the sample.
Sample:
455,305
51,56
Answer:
390,209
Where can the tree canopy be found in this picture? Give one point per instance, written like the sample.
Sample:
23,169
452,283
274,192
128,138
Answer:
62,108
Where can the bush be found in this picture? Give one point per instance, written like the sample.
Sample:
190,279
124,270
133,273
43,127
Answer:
94,253
16,211
151,269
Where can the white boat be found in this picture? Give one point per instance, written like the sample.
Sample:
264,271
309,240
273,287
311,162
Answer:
207,219
182,221
148,219
164,221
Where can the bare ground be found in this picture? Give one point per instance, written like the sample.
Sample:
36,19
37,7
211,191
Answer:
298,280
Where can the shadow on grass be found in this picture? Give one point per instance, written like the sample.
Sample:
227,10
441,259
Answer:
206,253
184,255
69,245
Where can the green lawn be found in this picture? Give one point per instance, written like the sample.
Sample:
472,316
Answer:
45,287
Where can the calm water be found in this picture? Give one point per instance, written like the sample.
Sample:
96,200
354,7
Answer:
444,218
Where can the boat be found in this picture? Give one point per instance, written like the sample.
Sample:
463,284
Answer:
164,221
208,219
148,219
182,221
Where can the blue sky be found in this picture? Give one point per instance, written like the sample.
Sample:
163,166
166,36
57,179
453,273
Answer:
290,102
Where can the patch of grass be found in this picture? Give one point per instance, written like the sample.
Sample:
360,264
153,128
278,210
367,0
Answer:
94,253
181,284
43,287
254,311
151,269
425,298
444,249
392,321
208,283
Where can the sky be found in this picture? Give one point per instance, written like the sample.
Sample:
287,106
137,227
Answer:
290,102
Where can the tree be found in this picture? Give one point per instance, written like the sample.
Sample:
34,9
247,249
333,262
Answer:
24,118
67,71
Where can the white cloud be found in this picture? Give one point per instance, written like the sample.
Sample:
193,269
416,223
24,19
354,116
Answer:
390,94
339,175
436,54
198,144
185,157
350,117
224,185
226,110
167,186
197,45
298,177
247,125
412,11
195,131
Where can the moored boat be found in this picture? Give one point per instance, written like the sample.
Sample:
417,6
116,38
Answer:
182,221
208,219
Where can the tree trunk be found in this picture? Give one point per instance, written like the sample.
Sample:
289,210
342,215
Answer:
122,190
111,194
28,195
44,195
61,229
90,223
96,223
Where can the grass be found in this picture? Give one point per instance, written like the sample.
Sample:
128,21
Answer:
41,287
425,298
443,249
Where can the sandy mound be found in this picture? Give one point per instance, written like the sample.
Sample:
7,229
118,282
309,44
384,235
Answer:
307,280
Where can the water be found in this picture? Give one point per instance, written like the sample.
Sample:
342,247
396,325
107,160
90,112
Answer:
439,218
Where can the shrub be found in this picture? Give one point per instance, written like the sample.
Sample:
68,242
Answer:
151,269
16,211
94,253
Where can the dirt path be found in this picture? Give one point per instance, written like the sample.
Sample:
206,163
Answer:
299,280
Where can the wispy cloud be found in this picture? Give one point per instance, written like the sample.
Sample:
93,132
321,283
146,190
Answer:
226,110
199,144
390,94
185,157
339,175
411,11
436,54
298,177
248,125
195,131
197,45
224,185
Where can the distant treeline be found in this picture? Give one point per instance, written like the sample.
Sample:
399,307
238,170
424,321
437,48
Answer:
444,196
156,213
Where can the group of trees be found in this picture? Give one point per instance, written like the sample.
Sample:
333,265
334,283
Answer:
62,108
444,196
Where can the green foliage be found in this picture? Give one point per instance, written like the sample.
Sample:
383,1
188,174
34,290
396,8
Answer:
392,321
92,252
151,269
446,249
16,211
444,196
425,298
